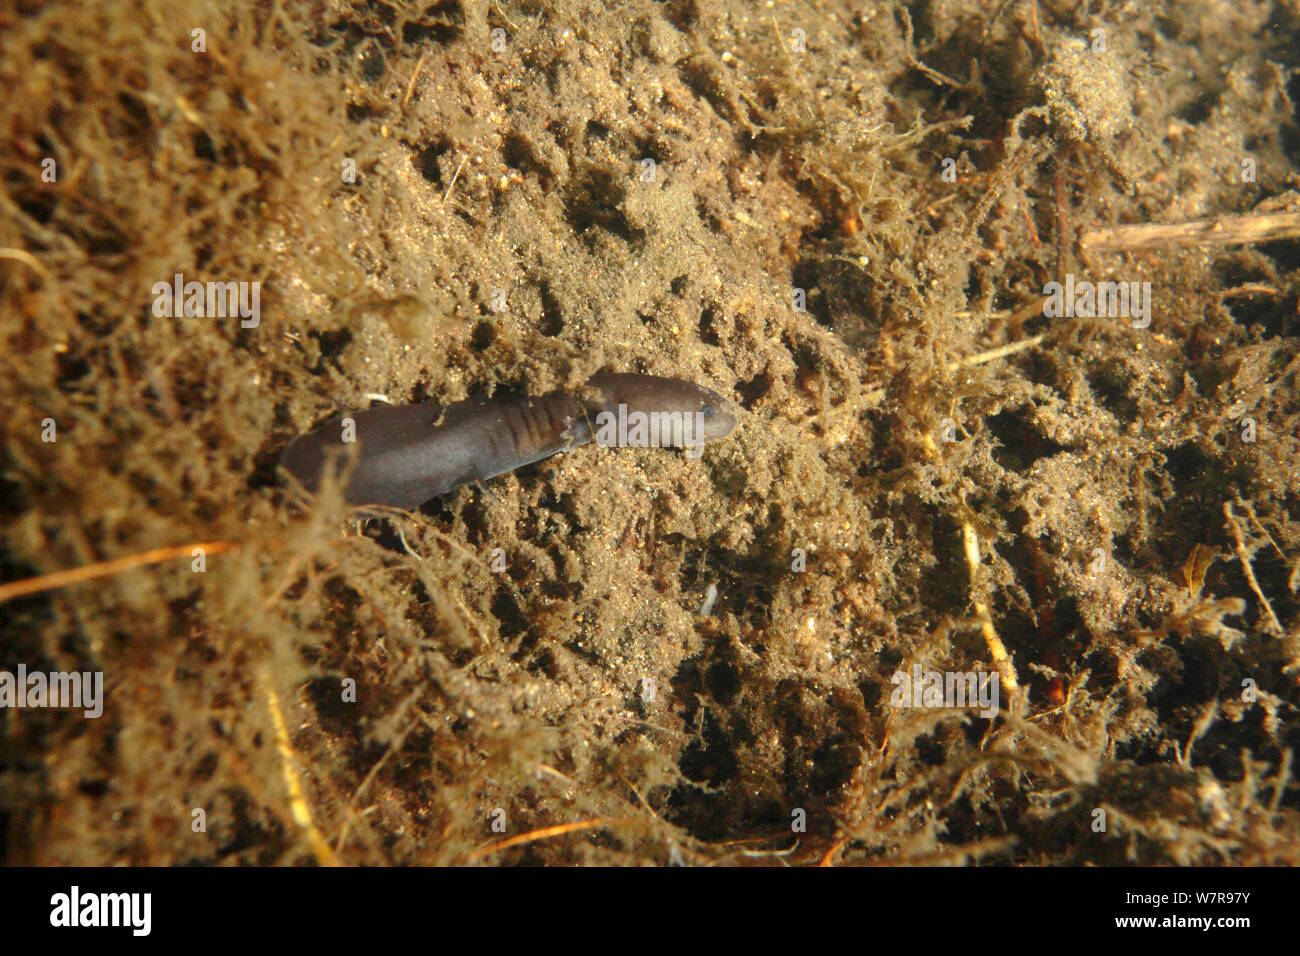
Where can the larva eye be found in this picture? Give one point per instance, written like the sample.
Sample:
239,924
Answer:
708,411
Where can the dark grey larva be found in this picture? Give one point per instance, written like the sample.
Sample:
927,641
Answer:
407,454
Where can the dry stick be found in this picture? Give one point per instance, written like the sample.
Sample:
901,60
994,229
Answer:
29,260
909,52
298,805
1259,525
547,832
101,569
415,75
765,853
1002,351
454,176
997,650
1244,557
1220,231
1250,288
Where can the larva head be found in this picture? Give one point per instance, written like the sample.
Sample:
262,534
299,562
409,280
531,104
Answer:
711,416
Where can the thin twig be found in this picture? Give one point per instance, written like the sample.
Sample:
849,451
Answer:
545,833
415,75
1225,230
298,805
454,176
1002,351
27,259
1001,659
101,569
1244,557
